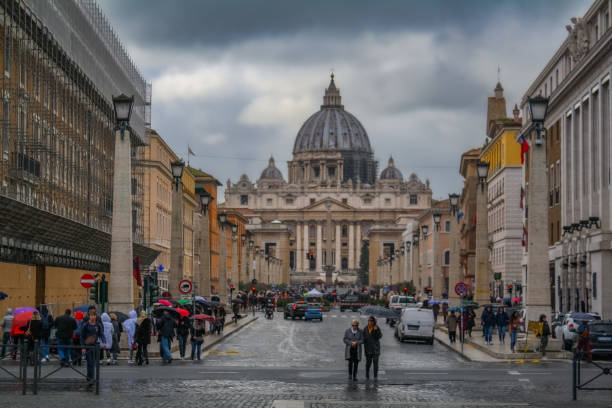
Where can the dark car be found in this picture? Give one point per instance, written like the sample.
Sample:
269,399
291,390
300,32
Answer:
350,302
294,310
600,336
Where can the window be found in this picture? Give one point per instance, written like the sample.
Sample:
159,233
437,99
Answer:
289,201
312,201
367,200
331,172
387,201
316,171
557,77
447,226
446,257
344,201
244,199
413,199
269,202
344,231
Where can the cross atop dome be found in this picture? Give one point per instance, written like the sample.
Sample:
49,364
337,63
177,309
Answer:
332,95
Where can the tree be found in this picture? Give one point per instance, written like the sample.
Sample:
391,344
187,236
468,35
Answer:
364,264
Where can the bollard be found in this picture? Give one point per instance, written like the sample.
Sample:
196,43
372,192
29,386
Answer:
97,360
574,385
23,366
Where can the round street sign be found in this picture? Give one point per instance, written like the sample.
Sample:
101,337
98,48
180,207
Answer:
87,280
461,289
185,286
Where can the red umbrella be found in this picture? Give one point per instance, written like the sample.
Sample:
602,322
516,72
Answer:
516,300
182,312
205,317
164,302
20,321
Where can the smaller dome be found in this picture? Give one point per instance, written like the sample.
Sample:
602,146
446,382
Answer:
271,172
391,172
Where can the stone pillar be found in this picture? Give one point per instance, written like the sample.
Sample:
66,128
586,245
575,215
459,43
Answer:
357,244
204,281
244,264
305,259
319,255
351,247
338,247
538,280
436,279
395,270
322,170
482,292
258,267
573,268
454,276
414,268
176,241
339,172
298,247
234,260
222,289
306,171
121,285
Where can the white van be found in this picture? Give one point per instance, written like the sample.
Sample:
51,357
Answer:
400,302
416,324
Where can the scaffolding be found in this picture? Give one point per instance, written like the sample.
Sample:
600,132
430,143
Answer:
57,121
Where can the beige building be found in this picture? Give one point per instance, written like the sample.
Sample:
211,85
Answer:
158,189
334,198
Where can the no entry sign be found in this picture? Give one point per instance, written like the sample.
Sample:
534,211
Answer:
185,286
461,289
87,280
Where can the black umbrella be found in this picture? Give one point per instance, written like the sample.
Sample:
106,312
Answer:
379,311
160,311
121,317
238,301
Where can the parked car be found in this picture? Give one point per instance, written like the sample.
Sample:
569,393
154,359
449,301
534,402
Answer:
557,321
314,311
600,336
416,324
295,310
567,331
350,302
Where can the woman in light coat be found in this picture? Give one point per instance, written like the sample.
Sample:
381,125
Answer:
129,326
108,335
353,339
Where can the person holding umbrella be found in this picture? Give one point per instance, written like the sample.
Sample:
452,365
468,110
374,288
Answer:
197,338
143,337
451,323
182,331
353,339
165,328
371,346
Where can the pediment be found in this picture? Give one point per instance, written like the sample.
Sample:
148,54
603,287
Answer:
336,205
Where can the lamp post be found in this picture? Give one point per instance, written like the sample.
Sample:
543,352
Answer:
404,272
453,272
396,268
243,260
415,262
537,299
436,280
222,217
482,291
203,278
176,231
121,285
234,272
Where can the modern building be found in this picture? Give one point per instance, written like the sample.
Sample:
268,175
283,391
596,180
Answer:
333,199
504,184
62,63
576,80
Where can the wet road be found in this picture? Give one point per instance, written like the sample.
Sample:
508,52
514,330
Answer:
272,361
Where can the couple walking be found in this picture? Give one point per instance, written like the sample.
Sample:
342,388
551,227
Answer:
354,338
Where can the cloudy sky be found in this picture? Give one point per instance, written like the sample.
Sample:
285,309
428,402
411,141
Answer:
236,79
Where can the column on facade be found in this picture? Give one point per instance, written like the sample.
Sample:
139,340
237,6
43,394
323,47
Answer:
395,270
573,268
243,276
339,173
322,170
319,255
351,245
305,260
222,289
453,271
436,279
357,244
414,267
298,247
204,267
338,247
234,260
482,277
176,241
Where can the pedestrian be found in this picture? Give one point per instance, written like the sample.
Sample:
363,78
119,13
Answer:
65,326
371,346
46,320
116,348
143,337
77,356
444,311
130,328
197,338
7,324
33,332
514,327
107,325
221,321
436,310
451,324
92,333
544,334
165,328
353,339
488,322
502,324
182,332
470,321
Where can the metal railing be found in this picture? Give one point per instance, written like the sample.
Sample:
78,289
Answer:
583,358
14,352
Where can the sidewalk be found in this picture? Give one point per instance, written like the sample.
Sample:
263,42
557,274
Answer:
475,348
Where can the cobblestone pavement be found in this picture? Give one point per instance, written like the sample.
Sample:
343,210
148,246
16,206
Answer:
284,363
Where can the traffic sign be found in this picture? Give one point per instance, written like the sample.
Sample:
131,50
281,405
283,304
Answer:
461,289
185,286
87,280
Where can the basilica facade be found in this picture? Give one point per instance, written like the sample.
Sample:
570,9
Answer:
315,222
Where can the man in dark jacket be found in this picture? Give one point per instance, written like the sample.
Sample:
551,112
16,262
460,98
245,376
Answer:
488,322
46,320
92,333
544,335
502,324
371,346
166,326
65,325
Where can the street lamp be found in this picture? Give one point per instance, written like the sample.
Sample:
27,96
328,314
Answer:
482,168
251,243
437,217
408,246
177,171
243,238
204,200
425,229
538,107
234,228
454,202
415,239
122,105
222,218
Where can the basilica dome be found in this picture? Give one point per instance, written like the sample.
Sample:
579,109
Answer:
391,172
332,128
271,172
